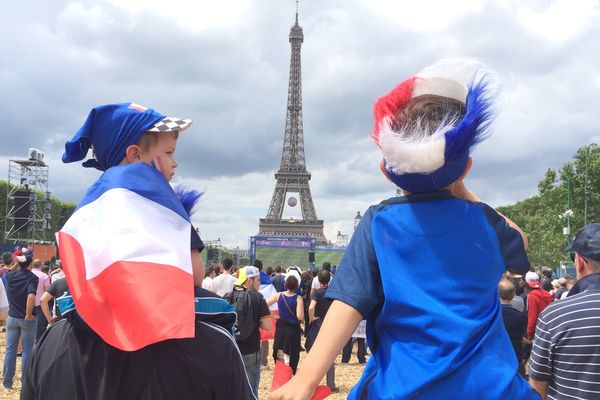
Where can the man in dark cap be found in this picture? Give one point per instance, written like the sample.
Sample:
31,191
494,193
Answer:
565,362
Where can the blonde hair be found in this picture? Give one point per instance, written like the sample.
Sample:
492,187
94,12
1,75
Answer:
150,139
426,114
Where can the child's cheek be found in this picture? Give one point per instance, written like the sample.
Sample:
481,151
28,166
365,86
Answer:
159,164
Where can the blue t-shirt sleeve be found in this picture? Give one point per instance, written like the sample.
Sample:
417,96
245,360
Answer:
196,242
511,242
32,285
357,281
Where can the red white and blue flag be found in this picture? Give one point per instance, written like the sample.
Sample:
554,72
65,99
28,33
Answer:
126,256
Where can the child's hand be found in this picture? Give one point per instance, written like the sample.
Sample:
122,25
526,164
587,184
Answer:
292,390
461,191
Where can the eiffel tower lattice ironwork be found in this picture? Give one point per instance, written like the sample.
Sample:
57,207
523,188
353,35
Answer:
292,176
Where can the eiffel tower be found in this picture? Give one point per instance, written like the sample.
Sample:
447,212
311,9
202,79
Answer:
292,177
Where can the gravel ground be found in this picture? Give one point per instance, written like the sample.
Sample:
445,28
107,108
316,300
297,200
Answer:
346,376
15,391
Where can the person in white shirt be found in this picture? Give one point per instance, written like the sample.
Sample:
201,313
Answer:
207,283
223,283
315,283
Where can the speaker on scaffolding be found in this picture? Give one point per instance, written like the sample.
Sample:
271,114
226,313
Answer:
21,215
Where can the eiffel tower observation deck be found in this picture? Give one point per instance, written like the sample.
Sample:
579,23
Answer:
292,177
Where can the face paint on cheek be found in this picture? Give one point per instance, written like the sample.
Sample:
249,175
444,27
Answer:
158,164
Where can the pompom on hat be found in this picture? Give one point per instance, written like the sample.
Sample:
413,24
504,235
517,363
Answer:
421,161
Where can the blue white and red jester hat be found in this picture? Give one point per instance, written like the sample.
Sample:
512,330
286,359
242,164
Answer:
428,161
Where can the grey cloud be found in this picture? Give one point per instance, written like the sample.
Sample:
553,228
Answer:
233,83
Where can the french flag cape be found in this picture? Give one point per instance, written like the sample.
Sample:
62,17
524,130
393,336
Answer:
126,256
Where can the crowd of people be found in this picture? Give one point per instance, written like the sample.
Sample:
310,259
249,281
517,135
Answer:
523,299
35,295
24,282
29,287
554,324
275,305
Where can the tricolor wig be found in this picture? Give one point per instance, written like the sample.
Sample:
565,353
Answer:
427,126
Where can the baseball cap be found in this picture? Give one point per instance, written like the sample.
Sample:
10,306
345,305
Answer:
587,242
245,273
251,272
533,280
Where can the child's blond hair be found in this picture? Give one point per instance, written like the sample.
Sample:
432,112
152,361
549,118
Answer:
150,139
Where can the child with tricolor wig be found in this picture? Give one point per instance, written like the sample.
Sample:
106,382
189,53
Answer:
444,337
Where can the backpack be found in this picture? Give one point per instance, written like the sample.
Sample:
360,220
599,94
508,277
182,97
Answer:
242,302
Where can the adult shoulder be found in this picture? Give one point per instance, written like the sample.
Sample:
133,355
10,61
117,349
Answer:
126,375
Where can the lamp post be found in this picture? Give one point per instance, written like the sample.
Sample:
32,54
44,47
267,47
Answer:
568,214
219,251
357,219
342,240
591,149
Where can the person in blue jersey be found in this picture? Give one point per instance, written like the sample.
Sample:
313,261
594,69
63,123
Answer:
445,340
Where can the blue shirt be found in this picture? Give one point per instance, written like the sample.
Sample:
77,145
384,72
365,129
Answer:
287,308
279,282
19,284
423,271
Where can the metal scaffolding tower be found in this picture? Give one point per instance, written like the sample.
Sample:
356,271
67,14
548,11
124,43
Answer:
28,201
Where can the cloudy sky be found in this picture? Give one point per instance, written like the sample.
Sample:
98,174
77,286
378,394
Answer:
225,64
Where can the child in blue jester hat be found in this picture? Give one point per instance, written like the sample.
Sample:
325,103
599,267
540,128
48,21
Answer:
444,337
139,326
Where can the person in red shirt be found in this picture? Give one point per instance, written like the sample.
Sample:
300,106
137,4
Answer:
537,300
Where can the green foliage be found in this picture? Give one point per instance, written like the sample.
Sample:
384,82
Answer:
540,216
60,212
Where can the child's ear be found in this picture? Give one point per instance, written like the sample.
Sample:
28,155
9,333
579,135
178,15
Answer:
467,169
133,153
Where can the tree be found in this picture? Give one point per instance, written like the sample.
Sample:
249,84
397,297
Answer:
61,211
539,216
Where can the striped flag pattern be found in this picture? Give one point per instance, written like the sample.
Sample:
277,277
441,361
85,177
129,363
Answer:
126,256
